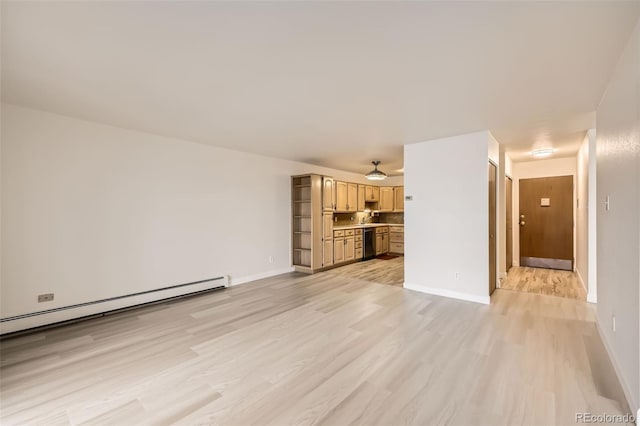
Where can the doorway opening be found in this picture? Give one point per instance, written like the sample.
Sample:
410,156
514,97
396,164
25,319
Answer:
545,227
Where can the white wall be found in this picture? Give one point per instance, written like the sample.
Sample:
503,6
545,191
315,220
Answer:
446,223
618,229
91,211
537,169
586,214
508,165
592,294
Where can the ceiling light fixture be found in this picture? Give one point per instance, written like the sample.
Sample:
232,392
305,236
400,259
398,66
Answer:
376,174
544,152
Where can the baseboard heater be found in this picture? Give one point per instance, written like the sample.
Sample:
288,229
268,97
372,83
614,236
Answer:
62,314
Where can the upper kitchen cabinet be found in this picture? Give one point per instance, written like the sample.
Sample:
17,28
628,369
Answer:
386,199
361,198
352,197
372,194
341,196
328,199
398,193
346,196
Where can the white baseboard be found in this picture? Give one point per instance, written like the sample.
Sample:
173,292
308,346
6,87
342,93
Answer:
592,297
581,280
448,293
634,406
268,274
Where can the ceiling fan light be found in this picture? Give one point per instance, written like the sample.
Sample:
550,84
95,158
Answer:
376,174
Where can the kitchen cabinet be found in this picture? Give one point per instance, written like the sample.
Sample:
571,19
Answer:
396,239
378,244
328,199
341,196
349,248
372,193
346,197
327,226
327,252
358,244
352,197
338,246
361,198
338,250
343,246
327,239
382,240
386,199
398,195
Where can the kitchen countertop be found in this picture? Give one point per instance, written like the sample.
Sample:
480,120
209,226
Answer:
366,225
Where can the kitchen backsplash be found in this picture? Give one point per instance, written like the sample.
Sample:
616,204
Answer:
391,218
344,219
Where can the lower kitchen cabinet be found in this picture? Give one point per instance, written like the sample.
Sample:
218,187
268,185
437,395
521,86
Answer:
344,246
349,249
396,239
327,252
338,250
358,243
382,240
378,244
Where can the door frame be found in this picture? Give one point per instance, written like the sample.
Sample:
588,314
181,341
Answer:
493,215
508,218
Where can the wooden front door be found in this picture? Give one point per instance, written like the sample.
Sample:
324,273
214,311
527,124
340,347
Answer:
546,222
509,221
492,229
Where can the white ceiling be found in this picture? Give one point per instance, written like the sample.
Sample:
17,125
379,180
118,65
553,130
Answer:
335,84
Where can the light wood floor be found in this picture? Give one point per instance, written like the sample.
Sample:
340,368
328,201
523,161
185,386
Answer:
315,349
390,272
544,281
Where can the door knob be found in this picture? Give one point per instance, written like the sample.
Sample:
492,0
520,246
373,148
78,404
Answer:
522,223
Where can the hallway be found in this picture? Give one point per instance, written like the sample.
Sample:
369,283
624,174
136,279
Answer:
549,282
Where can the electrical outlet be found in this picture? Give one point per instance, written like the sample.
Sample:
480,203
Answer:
270,259
45,297
613,323
457,275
